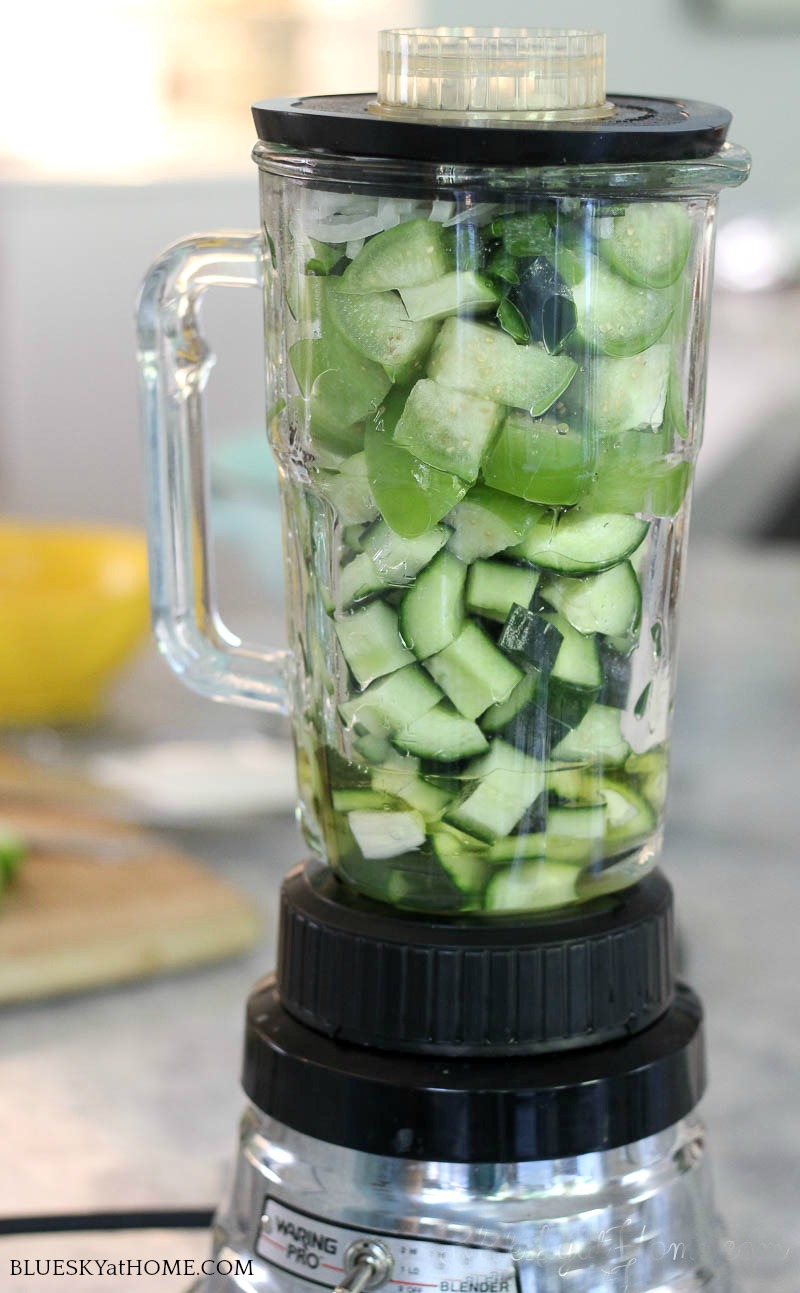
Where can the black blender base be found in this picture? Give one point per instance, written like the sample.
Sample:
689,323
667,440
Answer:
584,1168
491,1171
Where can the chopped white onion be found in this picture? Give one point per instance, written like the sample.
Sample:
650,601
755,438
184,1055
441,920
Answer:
442,210
481,213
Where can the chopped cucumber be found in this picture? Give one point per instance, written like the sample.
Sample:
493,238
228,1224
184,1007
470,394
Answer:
411,496
377,325
447,429
529,233
580,542
432,611
442,735
538,886
486,522
473,672
545,302
486,554
576,676
357,797
465,864
371,643
348,491
493,587
625,394
531,638
636,471
650,243
460,291
398,560
540,459
382,834
497,717
340,384
426,798
409,255
507,782
359,580
579,821
617,318
483,361
393,702
629,816
609,603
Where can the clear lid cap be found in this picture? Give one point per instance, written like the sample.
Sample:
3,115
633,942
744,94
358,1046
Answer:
492,74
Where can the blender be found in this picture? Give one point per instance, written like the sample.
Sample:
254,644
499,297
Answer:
486,317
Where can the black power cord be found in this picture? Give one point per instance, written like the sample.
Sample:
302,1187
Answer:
162,1219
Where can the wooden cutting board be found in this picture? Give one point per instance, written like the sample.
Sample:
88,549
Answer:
114,904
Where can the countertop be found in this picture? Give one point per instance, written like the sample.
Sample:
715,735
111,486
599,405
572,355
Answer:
129,1098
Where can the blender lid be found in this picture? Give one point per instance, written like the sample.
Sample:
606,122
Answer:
495,96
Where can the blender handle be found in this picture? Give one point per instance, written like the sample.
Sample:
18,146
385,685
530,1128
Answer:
174,365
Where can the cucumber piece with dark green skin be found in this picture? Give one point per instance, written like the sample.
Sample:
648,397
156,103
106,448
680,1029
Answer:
609,602
649,244
409,255
597,739
486,521
483,361
535,886
617,672
580,542
630,818
472,672
493,587
616,318
576,677
545,301
543,460
463,862
506,782
432,611
442,735
497,718
531,638
446,428
411,495
379,328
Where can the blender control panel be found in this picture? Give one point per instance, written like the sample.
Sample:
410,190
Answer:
330,1255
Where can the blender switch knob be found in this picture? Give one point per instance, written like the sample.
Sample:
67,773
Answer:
367,1266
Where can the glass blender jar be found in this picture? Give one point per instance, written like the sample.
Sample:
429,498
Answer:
486,297
486,305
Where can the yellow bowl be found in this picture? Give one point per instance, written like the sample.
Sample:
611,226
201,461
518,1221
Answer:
73,605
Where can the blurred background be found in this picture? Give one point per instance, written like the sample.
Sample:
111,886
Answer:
125,125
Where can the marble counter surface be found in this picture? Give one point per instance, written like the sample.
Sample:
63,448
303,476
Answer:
129,1098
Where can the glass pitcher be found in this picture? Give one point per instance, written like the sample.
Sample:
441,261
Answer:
486,299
